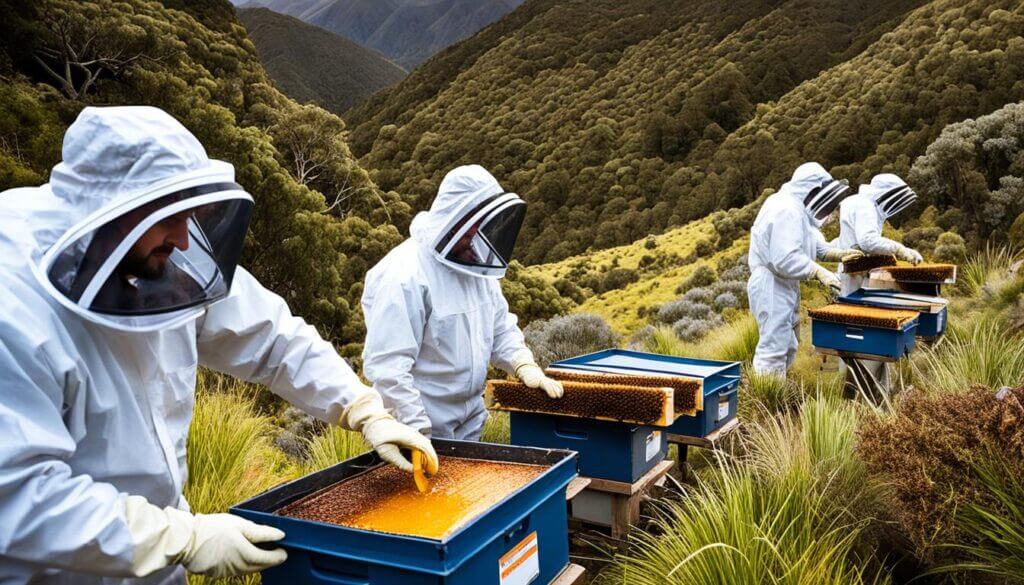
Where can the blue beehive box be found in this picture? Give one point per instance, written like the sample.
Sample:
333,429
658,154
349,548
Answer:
607,449
931,323
475,554
867,342
721,382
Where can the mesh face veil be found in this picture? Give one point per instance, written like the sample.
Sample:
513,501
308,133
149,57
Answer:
154,262
481,241
896,200
823,200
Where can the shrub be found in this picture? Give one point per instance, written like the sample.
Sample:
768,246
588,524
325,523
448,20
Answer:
691,329
950,247
568,336
702,275
733,287
924,450
617,278
650,243
739,271
922,239
726,300
702,294
675,310
704,248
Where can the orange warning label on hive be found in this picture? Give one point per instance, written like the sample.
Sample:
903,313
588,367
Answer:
385,499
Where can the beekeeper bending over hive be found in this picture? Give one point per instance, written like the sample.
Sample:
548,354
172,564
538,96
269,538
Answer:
117,279
785,242
861,218
435,314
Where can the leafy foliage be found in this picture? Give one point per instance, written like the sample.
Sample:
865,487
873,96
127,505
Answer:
568,336
313,233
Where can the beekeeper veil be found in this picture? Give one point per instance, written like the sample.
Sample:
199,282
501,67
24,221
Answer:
159,226
473,224
818,191
890,193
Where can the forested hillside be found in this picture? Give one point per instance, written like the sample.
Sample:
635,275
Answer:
310,64
407,31
619,119
313,234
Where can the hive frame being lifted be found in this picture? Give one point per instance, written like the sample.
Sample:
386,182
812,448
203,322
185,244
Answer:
688,393
922,273
863,316
867,263
651,406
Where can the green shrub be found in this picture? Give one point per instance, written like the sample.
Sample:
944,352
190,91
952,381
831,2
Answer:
568,336
702,275
950,247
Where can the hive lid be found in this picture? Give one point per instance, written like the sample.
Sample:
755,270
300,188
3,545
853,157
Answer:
863,316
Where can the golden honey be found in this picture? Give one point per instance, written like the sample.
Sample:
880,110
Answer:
385,499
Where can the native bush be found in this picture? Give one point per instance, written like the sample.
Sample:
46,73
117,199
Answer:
675,310
702,294
726,300
692,329
568,336
702,275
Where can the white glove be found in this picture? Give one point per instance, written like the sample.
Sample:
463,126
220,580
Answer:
386,435
841,254
909,255
530,373
218,545
827,278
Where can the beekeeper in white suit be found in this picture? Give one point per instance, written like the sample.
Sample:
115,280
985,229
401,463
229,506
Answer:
785,242
861,218
435,314
118,278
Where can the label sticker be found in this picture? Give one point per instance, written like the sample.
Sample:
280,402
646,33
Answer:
521,565
653,446
723,409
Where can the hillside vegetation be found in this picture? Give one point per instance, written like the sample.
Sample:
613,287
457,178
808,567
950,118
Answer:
310,64
620,119
408,31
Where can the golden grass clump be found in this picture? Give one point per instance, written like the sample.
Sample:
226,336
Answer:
863,316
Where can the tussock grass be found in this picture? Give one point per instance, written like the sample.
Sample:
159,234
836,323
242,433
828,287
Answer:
333,446
791,510
985,268
734,342
496,428
976,352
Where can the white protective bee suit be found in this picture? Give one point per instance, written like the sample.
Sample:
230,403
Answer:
98,366
435,321
861,218
785,242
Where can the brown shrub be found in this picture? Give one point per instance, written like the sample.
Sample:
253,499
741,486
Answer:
924,450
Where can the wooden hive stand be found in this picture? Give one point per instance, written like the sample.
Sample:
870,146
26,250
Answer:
712,441
615,504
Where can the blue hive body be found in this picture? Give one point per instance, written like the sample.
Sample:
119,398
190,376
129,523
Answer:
322,554
608,450
891,344
930,325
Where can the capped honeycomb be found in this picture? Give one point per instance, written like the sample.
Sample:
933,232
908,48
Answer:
937,273
634,404
868,263
863,316
687,393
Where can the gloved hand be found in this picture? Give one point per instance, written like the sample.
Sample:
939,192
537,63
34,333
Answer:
386,435
827,278
530,374
841,254
218,545
909,255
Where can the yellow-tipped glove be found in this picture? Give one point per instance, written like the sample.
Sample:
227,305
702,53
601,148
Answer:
530,374
386,435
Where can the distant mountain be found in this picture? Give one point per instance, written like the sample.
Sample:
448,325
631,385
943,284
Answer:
311,64
407,31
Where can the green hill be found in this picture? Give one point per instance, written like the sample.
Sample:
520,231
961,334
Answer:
619,119
311,64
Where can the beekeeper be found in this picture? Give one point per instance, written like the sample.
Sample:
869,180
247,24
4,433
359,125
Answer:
118,278
861,217
785,242
435,314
